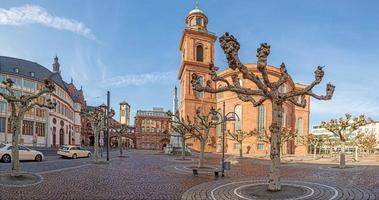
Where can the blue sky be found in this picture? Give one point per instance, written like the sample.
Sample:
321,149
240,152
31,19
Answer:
132,47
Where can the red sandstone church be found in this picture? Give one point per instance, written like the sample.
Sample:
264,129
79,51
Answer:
197,49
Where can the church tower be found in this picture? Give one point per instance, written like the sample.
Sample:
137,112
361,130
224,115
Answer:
124,113
56,65
197,51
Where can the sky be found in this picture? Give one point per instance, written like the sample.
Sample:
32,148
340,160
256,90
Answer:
131,47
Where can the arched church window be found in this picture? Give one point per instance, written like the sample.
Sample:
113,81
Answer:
300,130
261,118
238,124
199,53
193,22
199,21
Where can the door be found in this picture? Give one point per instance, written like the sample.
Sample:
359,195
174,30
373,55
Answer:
61,137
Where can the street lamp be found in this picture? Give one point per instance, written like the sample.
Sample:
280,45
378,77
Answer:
231,116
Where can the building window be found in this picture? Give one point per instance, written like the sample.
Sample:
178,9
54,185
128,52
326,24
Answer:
40,129
3,107
199,53
300,130
236,145
238,124
283,119
260,146
2,124
27,127
193,22
261,118
200,94
199,21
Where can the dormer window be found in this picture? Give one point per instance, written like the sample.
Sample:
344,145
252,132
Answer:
16,70
32,74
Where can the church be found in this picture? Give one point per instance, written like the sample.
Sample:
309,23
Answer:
197,46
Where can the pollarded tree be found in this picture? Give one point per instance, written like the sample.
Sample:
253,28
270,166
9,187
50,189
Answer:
286,135
357,142
239,136
369,143
97,118
344,128
264,90
94,117
314,141
183,128
201,127
120,129
19,106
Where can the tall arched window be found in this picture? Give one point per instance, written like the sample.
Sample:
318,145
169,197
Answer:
238,122
284,119
261,118
199,53
300,130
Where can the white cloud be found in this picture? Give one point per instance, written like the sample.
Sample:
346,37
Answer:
140,79
32,14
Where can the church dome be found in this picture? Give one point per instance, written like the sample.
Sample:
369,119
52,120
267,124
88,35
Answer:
196,10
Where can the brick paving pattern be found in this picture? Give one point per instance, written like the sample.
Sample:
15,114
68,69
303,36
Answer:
150,175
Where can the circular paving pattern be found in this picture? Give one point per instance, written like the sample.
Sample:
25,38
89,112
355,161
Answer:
24,180
257,189
188,169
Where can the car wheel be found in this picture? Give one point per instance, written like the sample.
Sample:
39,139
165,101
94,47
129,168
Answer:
6,158
38,158
89,155
74,156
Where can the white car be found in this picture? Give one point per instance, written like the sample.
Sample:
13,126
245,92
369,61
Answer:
24,153
73,152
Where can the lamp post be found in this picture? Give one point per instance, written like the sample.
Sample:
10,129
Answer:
231,116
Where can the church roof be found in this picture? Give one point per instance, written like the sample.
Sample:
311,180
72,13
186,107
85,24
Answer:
196,10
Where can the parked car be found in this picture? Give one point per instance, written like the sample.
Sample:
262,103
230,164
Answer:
24,153
73,152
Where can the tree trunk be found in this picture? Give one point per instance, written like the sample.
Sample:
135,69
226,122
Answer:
274,176
356,153
183,148
202,149
120,143
96,144
314,152
241,150
16,168
342,156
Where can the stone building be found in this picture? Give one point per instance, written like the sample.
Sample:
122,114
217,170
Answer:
41,127
152,128
197,52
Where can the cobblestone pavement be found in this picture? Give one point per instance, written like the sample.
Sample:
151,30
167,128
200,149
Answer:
152,175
